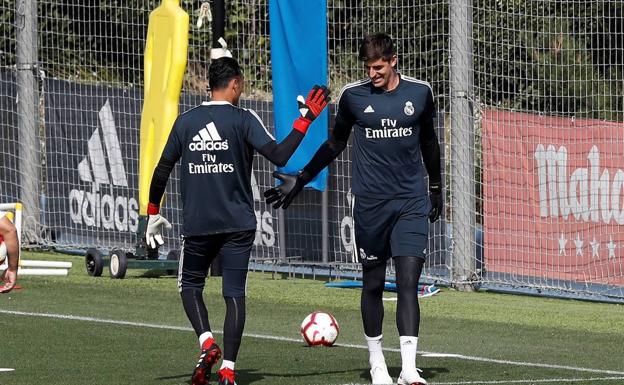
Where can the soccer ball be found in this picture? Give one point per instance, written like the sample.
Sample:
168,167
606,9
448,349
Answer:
320,328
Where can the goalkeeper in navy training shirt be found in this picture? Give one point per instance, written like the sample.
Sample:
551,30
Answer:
215,144
392,119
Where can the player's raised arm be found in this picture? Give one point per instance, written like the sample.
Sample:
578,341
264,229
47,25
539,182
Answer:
309,109
283,195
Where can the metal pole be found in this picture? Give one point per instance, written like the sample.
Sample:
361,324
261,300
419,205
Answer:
28,117
218,23
281,225
325,226
463,201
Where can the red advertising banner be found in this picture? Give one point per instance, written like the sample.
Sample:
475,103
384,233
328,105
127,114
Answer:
553,192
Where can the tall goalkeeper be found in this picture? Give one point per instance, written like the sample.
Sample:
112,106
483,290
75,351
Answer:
215,143
392,117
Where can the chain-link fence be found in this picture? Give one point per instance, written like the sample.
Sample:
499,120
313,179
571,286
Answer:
530,105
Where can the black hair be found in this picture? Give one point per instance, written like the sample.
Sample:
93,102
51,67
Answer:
221,71
377,46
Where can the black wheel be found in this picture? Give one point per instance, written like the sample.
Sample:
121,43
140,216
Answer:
173,255
118,264
94,262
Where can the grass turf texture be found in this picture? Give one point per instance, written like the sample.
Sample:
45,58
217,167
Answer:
494,326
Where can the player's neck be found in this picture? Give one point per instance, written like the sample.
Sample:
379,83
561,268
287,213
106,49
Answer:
220,96
393,82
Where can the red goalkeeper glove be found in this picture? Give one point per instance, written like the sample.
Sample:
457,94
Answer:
311,107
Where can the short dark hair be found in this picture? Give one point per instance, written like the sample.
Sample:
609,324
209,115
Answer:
377,46
221,71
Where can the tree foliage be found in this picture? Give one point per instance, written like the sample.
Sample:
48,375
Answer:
552,57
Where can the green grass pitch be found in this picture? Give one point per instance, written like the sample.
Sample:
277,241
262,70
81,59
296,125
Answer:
84,330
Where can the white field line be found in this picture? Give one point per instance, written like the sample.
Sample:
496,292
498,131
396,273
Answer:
525,381
529,381
278,338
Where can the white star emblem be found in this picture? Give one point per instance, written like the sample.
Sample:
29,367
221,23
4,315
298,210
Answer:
611,246
595,247
578,242
562,245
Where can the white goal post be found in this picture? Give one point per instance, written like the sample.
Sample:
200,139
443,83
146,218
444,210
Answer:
30,267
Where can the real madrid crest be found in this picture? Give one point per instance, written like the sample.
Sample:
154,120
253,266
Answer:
409,108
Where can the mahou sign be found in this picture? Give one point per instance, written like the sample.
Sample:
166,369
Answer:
553,197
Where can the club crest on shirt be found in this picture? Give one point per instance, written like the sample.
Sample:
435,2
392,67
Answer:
365,257
409,108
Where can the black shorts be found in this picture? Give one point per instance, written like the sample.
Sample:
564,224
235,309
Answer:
198,252
387,228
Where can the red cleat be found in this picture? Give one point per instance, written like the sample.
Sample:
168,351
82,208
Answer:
207,359
226,376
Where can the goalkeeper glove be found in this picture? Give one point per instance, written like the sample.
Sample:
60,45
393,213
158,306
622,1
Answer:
283,195
437,203
155,223
311,107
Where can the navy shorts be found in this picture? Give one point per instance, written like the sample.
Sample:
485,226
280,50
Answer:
198,252
387,228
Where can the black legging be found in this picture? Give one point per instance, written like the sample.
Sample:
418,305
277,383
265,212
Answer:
193,302
408,271
232,326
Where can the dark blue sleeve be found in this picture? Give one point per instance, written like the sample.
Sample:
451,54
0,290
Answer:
173,148
429,110
256,133
344,119
170,155
335,144
429,144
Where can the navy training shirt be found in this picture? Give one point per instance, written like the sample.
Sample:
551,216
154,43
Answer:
387,161
215,142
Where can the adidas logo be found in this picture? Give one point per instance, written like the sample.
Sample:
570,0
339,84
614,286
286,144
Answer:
208,139
96,162
369,109
265,234
91,208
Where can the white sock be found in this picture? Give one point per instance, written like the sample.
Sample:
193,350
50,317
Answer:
409,346
375,350
227,364
203,337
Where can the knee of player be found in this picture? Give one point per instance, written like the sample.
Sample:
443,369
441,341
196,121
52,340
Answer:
373,286
191,288
234,293
7,228
407,281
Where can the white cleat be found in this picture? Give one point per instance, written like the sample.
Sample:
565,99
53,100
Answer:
380,376
411,378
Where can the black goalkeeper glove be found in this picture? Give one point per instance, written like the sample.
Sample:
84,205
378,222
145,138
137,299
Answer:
437,203
283,195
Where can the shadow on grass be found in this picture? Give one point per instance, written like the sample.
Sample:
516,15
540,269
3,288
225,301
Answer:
249,376
427,373
154,273
246,376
